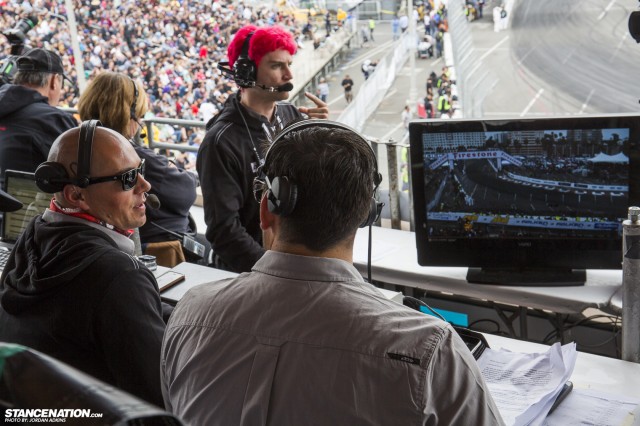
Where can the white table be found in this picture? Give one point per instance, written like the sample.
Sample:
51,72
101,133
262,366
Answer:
394,261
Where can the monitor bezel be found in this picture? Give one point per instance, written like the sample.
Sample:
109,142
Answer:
518,253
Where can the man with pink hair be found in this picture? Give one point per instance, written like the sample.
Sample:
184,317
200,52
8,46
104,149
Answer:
237,138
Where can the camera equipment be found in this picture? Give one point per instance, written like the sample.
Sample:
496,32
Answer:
17,37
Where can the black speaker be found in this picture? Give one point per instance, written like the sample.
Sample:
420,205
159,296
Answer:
245,71
283,193
52,176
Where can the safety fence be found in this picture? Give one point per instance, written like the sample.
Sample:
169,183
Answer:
474,81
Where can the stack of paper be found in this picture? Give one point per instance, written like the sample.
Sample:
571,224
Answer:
524,386
590,407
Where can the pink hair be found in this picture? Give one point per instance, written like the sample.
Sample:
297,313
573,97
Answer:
264,40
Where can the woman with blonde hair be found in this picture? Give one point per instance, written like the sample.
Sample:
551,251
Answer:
119,102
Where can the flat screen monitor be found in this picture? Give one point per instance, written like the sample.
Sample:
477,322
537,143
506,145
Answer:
524,201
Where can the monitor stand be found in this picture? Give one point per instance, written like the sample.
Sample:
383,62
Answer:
528,277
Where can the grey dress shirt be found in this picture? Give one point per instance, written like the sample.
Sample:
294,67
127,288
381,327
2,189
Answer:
305,341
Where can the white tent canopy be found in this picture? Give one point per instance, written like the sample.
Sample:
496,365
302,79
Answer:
604,158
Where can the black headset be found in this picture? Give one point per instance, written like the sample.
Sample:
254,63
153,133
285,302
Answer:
245,71
52,176
283,193
132,112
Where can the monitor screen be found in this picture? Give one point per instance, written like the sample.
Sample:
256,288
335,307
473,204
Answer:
543,195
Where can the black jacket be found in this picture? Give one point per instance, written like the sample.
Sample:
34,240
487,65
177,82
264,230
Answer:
68,291
176,191
28,127
227,164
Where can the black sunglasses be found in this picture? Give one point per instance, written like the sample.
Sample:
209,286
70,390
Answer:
128,178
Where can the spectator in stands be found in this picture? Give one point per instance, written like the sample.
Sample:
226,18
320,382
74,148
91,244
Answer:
347,84
71,287
406,116
329,347
134,38
429,107
119,102
233,151
395,28
323,89
29,119
372,27
404,23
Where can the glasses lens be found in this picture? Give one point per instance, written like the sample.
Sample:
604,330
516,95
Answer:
129,179
258,188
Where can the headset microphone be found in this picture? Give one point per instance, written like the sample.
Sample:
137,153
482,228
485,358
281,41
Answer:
287,87
152,201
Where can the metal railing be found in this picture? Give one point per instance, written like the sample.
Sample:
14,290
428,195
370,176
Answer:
474,80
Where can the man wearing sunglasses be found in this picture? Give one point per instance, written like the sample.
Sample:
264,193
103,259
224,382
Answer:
72,288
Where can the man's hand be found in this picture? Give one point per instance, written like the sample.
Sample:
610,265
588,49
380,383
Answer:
320,111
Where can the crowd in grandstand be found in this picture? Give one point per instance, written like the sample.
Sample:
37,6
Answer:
173,46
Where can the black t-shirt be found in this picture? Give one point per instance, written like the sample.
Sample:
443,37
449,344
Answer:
347,83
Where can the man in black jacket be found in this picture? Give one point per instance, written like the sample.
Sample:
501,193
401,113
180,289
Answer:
234,146
71,287
29,119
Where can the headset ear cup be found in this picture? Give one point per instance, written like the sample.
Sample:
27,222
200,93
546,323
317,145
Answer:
374,211
51,177
244,69
283,196
244,72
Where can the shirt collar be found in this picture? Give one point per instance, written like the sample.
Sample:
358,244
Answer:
307,268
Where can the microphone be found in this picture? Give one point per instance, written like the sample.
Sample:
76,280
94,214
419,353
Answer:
152,201
287,87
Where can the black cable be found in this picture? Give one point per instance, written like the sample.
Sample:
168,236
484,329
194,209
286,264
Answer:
489,320
415,303
614,322
369,255
175,234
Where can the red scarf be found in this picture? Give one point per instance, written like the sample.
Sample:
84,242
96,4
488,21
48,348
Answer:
53,206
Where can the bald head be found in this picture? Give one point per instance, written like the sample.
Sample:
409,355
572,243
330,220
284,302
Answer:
106,197
108,148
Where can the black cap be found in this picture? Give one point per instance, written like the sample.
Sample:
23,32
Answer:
41,60
8,203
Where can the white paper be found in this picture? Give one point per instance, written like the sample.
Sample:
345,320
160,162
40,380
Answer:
525,385
591,407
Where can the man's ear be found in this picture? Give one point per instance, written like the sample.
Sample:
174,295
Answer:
53,81
269,224
267,219
73,197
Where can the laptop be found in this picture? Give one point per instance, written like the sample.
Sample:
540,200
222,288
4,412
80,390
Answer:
22,186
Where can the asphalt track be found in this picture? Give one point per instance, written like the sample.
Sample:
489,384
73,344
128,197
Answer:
581,51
